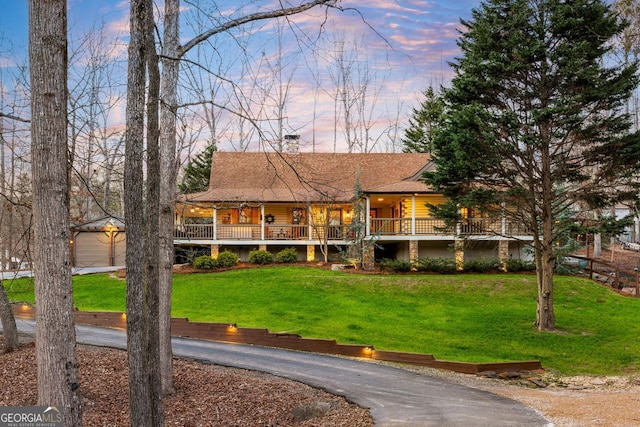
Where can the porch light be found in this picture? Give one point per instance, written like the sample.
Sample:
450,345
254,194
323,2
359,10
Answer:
192,210
380,199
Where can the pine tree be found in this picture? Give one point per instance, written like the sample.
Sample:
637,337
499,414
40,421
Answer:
424,123
535,121
198,171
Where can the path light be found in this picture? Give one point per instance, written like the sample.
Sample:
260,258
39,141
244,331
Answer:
232,328
368,351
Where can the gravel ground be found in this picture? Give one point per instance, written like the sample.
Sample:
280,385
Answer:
579,401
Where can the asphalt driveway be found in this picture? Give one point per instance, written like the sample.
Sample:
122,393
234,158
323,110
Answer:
394,396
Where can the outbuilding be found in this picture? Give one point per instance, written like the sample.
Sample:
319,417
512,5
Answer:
99,243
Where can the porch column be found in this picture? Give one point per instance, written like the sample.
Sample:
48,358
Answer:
413,251
503,252
215,224
413,214
368,257
459,247
215,251
367,231
504,220
311,253
310,229
262,223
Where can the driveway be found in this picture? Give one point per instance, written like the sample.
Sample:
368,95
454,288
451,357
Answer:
395,397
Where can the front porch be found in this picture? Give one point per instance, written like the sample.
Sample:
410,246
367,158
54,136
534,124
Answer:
388,218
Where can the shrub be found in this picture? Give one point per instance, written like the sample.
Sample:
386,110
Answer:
482,265
515,265
205,262
227,259
260,257
287,255
437,265
395,265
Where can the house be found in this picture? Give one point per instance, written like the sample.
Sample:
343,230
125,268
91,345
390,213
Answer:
98,243
276,200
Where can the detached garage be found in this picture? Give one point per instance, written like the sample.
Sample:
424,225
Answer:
99,243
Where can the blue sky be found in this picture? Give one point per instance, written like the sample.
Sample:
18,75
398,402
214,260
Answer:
408,42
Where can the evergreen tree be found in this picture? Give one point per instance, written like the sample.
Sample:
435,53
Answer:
535,122
424,123
198,171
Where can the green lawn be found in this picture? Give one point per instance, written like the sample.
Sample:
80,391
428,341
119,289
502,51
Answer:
475,318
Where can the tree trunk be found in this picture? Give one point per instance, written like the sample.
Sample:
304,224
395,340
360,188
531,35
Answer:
57,365
153,198
545,256
137,329
168,107
9,329
545,316
597,245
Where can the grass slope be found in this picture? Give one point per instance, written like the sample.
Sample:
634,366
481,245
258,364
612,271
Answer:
466,317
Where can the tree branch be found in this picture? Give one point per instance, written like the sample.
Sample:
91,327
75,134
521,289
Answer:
12,117
182,50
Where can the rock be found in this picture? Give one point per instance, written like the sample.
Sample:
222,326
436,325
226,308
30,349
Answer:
304,412
509,375
538,383
488,374
341,267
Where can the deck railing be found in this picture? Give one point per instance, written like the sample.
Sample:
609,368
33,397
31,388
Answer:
378,227
286,232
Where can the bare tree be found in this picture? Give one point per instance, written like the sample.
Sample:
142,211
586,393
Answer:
11,233
58,382
9,330
143,410
95,145
172,52
356,92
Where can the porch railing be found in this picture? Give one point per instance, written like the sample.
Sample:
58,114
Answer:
194,232
286,232
378,226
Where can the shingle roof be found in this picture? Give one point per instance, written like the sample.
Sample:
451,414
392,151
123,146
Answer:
310,177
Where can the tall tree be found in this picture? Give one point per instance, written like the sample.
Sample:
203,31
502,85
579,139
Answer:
535,121
172,53
58,382
145,403
424,123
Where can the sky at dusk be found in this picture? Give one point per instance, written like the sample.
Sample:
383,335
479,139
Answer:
402,45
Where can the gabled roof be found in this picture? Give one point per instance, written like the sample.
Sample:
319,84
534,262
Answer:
101,224
310,177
